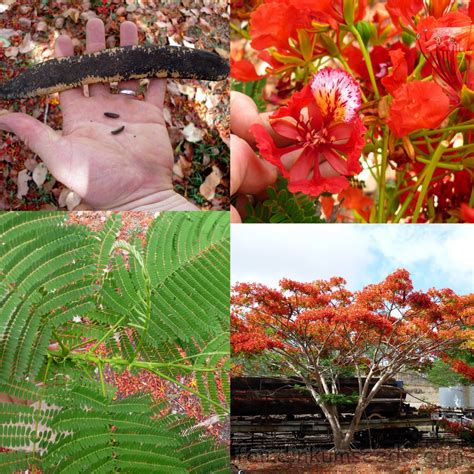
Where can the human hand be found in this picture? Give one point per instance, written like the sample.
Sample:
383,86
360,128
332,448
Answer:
128,170
251,175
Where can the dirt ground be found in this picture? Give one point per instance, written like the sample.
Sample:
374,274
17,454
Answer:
426,460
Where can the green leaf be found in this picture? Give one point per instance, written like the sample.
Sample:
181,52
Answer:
284,207
162,307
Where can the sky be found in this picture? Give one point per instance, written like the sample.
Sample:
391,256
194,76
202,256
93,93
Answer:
436,255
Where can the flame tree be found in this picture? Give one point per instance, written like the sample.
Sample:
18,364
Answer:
321,330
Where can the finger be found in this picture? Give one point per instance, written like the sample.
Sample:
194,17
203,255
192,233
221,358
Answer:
64,47
234,216
241,204
155,93
128,37
249,174
36,135
95,41
244,113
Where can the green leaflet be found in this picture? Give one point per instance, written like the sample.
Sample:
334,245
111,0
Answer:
162,306
283,207
86,432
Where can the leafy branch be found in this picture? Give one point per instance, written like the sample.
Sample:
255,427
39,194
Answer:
110,305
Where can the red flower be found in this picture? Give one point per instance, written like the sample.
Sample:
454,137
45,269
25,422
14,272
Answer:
290,28
381,58
417,105
332,11
243,70
350,199
321,123
440,41
438,8
404,10
274,25
399,73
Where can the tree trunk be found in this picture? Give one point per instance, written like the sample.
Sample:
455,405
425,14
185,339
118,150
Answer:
342,439
343,444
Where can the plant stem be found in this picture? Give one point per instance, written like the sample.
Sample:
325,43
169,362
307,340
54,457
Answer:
102,382
404,207
107,334
416,71
382,182
447,166
202,354
82,344
240,31
65,350
471,199
367,59
115,361
464,126
48,365
430,168
151,366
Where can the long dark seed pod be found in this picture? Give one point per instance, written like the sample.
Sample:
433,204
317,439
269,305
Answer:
111,115
113,65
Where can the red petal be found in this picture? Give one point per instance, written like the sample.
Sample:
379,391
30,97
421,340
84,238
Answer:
338,163
302,167
267,148
243,70
417,105
341,133
298,101
315,116
321,185
399,73
286,128
467,213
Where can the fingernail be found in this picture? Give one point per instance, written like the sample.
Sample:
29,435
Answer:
3,111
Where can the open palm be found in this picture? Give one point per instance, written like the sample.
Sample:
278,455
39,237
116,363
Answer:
131,169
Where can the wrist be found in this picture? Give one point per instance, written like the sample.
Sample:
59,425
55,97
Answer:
167,200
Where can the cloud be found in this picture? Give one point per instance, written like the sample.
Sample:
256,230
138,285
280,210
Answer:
435,255
305,252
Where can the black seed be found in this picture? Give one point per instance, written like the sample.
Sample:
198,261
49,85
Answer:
111,115
118,130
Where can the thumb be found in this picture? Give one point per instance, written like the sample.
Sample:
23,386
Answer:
36,135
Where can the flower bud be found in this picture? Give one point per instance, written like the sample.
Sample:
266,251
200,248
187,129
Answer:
363,27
